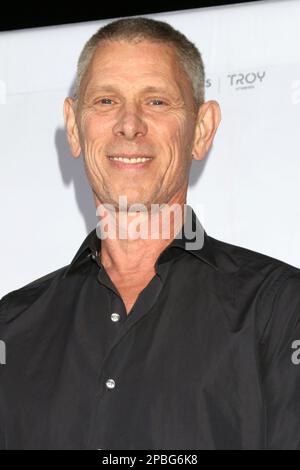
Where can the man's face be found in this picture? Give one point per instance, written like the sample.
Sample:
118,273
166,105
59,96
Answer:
136,100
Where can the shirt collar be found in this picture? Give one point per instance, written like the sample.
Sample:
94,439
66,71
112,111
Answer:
191,238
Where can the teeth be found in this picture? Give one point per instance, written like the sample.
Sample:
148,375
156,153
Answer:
131,160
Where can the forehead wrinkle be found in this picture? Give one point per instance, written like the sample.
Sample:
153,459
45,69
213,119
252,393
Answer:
146,89
179,83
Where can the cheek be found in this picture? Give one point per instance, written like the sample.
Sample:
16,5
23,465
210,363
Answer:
94,132
91,125
176,135
180,148
185,139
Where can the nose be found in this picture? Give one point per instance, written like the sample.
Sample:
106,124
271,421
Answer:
130,123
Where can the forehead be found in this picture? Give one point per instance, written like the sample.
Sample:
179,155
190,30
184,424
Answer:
133,62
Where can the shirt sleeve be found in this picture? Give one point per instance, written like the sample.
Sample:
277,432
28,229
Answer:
280,359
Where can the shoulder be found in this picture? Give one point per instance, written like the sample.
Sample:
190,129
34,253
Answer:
17,300
236,256
247,264
249,277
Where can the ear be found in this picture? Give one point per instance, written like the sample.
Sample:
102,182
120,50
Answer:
208,120
71,126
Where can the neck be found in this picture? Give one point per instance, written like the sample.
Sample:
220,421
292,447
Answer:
139,237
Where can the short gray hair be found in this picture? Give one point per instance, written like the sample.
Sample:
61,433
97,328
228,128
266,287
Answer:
139,28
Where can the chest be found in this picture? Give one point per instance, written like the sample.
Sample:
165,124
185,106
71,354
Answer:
130,288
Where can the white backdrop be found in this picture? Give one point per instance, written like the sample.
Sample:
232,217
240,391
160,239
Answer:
245,192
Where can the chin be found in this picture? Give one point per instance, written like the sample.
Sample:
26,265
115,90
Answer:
128,198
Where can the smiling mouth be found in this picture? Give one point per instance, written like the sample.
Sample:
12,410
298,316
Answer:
131,160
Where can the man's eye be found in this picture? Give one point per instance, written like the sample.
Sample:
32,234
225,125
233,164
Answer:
105,101
157,102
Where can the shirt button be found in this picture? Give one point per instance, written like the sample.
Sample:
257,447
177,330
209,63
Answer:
115,317
110,383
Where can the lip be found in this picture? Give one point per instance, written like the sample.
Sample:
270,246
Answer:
130,166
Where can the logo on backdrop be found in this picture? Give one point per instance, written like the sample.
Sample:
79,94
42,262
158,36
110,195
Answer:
236,81
244,81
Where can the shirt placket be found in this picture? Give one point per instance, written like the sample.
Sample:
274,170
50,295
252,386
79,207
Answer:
122,323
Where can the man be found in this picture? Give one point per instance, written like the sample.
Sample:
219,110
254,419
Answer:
150,342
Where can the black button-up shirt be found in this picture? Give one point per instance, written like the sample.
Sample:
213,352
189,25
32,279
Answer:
207,358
